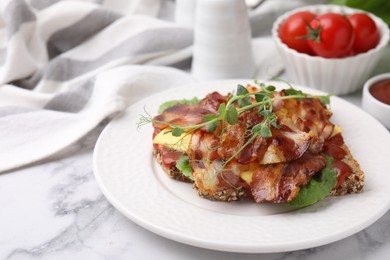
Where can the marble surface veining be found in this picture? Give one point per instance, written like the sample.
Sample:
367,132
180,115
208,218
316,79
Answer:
55,210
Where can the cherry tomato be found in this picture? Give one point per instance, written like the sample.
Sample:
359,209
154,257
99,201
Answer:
366,32
293,29
330,35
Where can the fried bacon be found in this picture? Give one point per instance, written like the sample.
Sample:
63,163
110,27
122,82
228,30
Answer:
281,164
281,182
186,115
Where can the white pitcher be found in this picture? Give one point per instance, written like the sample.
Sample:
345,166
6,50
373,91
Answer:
185,12
222,43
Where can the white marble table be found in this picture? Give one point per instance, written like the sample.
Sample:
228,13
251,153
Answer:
55,210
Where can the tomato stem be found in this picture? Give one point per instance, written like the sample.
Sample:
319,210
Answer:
313,33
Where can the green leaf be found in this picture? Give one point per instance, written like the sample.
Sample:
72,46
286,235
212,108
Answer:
259,96
274,123
232,115
222,109
262,129
293,91
212,127
243,102
265,131
265,113
241,90
257,129
380,8
183,165
318,188
177,131
270,88
325,100
339,2
171,103
167,132
209,117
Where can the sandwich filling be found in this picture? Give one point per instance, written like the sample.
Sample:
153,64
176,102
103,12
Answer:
266,147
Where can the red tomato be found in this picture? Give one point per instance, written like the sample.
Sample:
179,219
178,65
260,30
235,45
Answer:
330,35
293,29
366,32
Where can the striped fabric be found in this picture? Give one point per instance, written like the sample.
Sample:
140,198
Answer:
67,65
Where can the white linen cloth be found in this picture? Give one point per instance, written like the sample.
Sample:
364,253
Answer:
56,57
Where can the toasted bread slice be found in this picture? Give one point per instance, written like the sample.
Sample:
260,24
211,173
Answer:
354,183
172,172
225,195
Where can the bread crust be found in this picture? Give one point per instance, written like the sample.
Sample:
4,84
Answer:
353,183
231,194
172,172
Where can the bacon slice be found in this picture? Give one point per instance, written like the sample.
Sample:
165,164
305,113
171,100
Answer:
286,146
281,182
186,115
310,116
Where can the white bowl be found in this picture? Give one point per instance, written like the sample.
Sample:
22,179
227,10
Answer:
338,76
376,108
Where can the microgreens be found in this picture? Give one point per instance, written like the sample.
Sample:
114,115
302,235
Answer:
239,102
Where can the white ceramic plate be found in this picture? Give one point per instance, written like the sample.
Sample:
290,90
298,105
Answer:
131,180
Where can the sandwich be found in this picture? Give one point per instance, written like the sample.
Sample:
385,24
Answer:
257,143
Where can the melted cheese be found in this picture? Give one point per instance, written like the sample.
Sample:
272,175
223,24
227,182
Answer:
247,176
166,138
336,130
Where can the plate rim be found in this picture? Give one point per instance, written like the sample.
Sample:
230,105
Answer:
165,232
